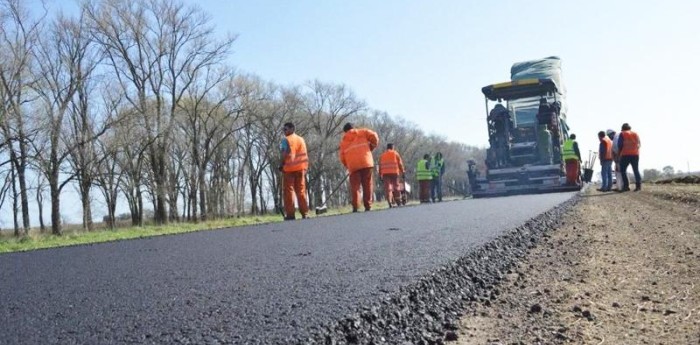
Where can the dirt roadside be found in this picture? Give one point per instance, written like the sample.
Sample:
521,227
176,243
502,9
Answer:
624,269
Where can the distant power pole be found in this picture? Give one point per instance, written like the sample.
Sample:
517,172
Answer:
688,162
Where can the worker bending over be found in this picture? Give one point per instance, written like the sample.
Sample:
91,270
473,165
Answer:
356,155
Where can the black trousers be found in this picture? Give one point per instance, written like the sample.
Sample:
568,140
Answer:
626,161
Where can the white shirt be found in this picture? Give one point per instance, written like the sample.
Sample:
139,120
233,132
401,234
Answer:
616,138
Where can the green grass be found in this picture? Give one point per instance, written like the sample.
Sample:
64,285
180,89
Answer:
36,240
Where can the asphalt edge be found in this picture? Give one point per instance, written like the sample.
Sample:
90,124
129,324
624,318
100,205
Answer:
427,312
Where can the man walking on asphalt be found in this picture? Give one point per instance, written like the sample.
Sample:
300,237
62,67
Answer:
437,166
356,155
295,162
572,157
390,167
424,176
606,159
629,145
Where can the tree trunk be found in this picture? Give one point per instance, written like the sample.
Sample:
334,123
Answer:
202,195
15,207
55,204
161,212
85,185
40,205
23,184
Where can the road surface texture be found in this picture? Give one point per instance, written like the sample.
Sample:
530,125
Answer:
365,277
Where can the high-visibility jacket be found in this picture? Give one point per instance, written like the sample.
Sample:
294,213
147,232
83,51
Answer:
297,158
356,149
390,163
630,143
567,150
422,171
436,166
607,153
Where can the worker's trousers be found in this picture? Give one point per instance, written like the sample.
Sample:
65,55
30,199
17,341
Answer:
391,188
424,193
436,188
573,171
361,179
606,174
626,161
295,184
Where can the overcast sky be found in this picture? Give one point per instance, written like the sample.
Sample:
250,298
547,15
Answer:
426,61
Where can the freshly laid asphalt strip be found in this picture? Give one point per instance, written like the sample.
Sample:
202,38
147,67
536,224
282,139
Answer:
291,282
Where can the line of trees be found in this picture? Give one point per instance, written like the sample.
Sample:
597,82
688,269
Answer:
134,100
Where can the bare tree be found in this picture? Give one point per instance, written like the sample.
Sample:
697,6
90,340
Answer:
19,34
211,110
327,107
67,64
155,48
108,176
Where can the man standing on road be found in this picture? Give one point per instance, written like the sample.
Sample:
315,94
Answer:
572,157
390,168
606,159
437,166
424,176
356,155
295,162
616,157
629,145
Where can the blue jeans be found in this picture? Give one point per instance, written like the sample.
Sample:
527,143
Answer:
606,174
436,188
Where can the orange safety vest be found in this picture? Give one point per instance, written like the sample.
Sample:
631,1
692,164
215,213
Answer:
390,163
630,144
608,149
355,151
297,159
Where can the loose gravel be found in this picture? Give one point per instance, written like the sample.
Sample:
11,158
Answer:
428,312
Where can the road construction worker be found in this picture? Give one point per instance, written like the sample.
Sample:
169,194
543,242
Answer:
390,168
295,163
437,167
605,154
615,137
424,176
356,155
628,144
572,157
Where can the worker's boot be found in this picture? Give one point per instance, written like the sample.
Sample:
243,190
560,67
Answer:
638,188
289,218
303,216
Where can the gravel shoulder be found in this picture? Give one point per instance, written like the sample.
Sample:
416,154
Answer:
624,268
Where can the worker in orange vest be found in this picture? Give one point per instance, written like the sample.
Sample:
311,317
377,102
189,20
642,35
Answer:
390,167
356,155
606,159
295,163
629,145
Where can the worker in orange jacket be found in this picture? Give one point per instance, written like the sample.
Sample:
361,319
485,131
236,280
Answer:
390,167
356,155
628,145
295,163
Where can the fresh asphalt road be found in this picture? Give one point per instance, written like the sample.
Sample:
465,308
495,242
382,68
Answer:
255,284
